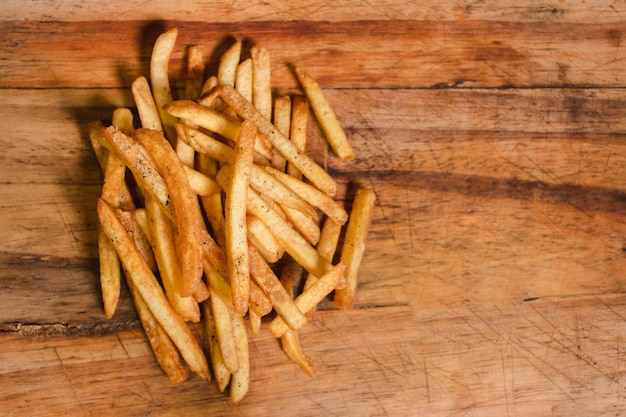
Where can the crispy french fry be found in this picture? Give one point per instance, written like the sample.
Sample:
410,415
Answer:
298,129
326,117
261,81
200,184
310,297
146,107
235,219
227,68
222,374
186,207
218,285
240,379
99,143
212,203
110,274
309,168
305,225
243,79
269,283
209,84
354,245
143,169
261,237
123,120
224,331
164,247
255,322
327,245
195,73
282,121
149,289
159,77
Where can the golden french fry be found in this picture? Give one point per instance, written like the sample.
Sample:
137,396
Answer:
146,107
98,142
263,239
260,304
150,290
227,67
209,84
310,297
305,225
162,346
235,218
309,168
354,245
240,379
200,184
217,284
212,203
110,274
159,77
222,374
325,116
143,169
261,81
327,245
243,79
282,121
298,129
255,322
224,331
271,286
123,120
186,207
312,195
195,73
164,247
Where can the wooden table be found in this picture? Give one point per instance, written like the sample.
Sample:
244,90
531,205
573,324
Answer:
492,133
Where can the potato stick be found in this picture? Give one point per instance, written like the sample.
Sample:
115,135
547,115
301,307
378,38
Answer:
259,179
305,225
222,375
271,286
200,184
164,247
325,116
282,121
123,120
98,143
195,73
150,290
310,297
261,237
261,81
327,245
312,195
290,341
235,219
217,284
224,331
309,168
186,207
146,107
159,77
243,79
240,380
163,348
142,167
298,129
354,245
295,245
227,67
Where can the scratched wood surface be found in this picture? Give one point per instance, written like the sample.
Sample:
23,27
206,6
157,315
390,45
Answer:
492,133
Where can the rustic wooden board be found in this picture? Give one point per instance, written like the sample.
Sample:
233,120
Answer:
492,134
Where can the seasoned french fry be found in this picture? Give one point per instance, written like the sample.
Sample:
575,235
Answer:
98,143
309,168
298,129
186,207
326,117
282,121
235,219
263,239
222,374
195,73
243,79
159,77
110,274
200,184
149,289
227,68
123,120
310,297
269,283
305,225
224,331
146,107
261,81
240,379
327,245
354,245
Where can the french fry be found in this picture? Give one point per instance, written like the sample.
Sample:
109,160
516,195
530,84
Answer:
143,169
243,79
263,239
149,289
98,143
282,121
110,274
261,81
227,68
298,129
326,116
354,245
222,374
195,73
146,107
269,283
309,168
123,120
200,184
164,248
327,245
240,379
305,225
235,219
310,297
159,77
186,207
224,331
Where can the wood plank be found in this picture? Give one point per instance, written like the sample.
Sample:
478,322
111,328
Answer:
363,54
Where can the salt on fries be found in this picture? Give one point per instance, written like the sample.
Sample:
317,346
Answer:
223,189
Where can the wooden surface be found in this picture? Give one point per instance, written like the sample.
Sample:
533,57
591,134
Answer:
492,133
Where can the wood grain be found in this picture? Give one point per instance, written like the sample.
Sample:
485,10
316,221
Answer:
492,134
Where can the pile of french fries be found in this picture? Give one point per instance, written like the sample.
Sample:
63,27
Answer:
212,210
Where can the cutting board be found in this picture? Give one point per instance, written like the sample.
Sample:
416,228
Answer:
492,134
